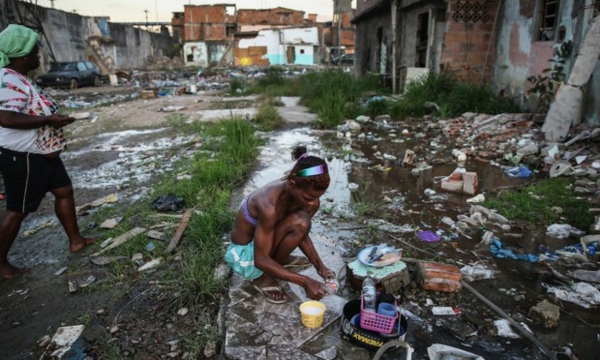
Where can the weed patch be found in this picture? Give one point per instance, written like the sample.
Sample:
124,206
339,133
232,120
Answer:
274,84
333,94
268,117
534,203
454,97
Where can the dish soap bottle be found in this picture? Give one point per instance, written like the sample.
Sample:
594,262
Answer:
369,296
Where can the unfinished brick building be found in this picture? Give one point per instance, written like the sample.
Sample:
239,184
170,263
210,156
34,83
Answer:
273,17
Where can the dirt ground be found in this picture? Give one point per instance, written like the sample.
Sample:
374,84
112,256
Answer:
123,147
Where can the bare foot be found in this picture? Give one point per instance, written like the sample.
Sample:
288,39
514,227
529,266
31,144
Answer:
8,271
269,288
77,245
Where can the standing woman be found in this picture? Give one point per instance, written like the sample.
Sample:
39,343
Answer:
275,220
31,140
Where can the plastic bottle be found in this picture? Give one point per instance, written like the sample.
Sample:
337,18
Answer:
332,285
369,296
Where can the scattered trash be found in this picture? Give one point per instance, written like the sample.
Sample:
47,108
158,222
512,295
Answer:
45,224
168,203
582,294
150,264
438,277
409,157
476,272
498,252
389,227
113,198
121,239
443,310
106,242
179,233
150,247
585,275
428,236
68,343
461,181
172,108
61,271
445,352
521,172
503,329
562,231
477,199
560,168
109,223
182,311
156,235
105,260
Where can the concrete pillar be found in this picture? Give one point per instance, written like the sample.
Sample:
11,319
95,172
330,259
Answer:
567,105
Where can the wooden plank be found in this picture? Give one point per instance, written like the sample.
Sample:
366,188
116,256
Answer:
179,233
121,239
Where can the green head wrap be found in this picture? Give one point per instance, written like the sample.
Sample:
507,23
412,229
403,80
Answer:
16,41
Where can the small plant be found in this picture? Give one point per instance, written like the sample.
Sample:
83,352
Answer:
543,86
236,87
377,107
268,118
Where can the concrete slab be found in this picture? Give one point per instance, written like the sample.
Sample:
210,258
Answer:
293,112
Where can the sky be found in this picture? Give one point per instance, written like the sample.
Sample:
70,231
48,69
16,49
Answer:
160,10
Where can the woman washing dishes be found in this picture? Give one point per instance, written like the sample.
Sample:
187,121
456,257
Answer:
275,220
31,140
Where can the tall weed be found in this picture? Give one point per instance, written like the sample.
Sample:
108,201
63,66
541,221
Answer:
332,93
455,97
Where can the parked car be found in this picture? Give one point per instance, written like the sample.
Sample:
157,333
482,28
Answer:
344,59
71,75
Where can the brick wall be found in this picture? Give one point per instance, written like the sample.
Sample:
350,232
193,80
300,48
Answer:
204,23
469,39
277,16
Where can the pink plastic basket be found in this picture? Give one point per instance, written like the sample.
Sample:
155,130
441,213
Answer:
377,322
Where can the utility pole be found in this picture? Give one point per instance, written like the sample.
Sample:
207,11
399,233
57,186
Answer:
339,32
394,45
52,3
146,12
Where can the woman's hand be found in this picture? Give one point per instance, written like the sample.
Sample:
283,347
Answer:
59,121
326,273
314,289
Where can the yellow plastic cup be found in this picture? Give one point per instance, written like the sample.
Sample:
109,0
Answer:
313,313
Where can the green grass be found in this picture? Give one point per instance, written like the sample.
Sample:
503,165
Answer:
274,84
534,203
454,97
334,95
268,117
229,150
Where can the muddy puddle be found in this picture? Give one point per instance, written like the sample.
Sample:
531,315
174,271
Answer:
372,168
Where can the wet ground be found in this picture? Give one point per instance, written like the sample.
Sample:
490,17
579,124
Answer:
104,159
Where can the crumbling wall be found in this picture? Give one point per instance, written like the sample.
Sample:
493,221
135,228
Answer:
370,33
519,53
137,46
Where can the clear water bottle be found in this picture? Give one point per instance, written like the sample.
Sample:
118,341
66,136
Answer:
369,296
332,285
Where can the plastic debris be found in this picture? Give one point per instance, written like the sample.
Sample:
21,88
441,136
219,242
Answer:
498,252
428,236
504,330
168,203
562,231
476,272
521,172
477,199
442,352
582,294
